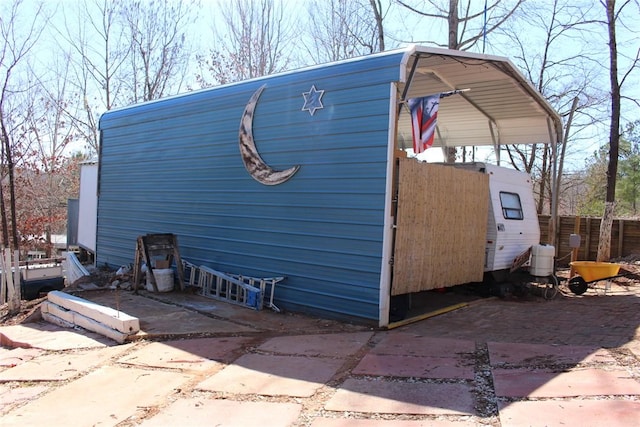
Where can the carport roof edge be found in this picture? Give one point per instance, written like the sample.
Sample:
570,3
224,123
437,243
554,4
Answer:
501,107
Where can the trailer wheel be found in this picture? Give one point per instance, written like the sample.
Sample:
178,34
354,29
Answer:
551,287
577,285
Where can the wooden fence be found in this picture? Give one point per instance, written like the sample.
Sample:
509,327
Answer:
625,237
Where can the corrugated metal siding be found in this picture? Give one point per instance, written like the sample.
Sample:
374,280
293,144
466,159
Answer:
174,166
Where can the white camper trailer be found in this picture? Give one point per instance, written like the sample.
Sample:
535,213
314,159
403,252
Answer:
512,222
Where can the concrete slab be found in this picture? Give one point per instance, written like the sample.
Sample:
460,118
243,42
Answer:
106,396
519,354
159,319
273,375
10,397
47,336
210,316
634,346
329,345
266,320
16,356
418,367
61,366
583,413
579,382
352,422
391,397
200,354
406,344
184,322
222,413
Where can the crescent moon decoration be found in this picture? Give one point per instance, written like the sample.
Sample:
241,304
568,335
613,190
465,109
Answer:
254,164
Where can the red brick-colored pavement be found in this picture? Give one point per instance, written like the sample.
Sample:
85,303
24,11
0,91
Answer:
531,362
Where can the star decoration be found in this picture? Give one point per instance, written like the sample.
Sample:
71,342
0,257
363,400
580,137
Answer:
312,100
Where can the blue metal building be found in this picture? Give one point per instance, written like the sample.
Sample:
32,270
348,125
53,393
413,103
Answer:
293,174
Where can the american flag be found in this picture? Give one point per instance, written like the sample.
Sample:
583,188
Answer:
424,115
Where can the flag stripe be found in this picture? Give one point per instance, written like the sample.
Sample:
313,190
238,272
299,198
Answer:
424,117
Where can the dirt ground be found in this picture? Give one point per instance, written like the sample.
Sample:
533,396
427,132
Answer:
487,404
30,310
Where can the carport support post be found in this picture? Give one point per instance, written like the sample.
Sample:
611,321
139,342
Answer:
555,134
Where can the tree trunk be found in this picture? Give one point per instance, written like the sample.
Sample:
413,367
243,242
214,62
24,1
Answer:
604,242
3,206
543,181
454,20
614,130
604,245
12,192
563,150
453,24
376,6
12,204
13,289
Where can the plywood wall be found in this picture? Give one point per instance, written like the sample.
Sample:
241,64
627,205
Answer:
441,227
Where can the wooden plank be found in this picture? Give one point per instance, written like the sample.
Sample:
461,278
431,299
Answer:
147,260
178,259
620,236
137,264
587,240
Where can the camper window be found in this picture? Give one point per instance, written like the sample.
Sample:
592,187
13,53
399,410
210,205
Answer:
511,206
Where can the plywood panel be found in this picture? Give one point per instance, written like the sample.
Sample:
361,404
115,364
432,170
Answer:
441,227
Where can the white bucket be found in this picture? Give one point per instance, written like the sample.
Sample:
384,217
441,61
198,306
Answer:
542,260
164,280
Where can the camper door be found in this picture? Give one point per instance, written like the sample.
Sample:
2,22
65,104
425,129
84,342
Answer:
513,221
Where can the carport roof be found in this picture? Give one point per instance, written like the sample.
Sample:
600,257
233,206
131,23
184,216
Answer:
500,106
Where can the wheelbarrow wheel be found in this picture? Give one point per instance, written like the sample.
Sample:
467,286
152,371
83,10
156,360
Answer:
577,285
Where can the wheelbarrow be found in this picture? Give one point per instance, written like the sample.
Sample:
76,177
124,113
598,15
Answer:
590,272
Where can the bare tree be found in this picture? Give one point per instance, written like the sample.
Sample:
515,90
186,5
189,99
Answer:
50,133
376,7
468,23
340,29
160,49
42,201
565,77
19,33
614,19
97,47
254,40
123,52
